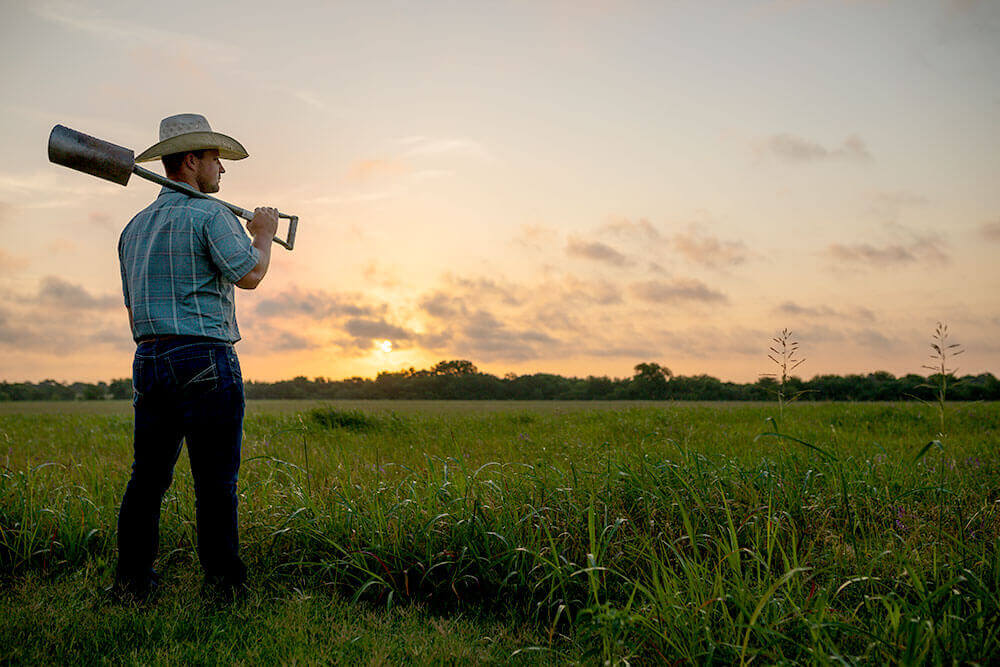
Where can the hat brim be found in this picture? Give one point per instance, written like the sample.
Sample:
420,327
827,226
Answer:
229,148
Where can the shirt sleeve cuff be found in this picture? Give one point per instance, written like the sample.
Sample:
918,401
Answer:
244,267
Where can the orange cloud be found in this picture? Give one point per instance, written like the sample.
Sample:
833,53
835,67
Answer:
595,250
923,249
990,230
679,290
709,250
11,263
374,168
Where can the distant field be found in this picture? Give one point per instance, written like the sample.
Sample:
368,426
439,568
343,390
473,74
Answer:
546,532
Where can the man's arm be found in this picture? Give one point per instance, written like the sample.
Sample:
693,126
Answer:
131,325
262,228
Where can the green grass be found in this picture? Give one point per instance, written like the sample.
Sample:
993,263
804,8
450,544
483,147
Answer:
562,532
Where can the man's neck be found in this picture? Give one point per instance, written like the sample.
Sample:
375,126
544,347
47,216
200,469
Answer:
186,180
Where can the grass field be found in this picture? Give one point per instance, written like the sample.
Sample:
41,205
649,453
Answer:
539,532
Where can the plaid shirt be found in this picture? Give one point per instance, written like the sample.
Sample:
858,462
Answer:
179,259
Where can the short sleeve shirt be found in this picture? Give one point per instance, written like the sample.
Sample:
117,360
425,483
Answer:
179,259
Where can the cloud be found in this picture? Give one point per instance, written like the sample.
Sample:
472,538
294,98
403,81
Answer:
353,197
430,174
376,274
482,335
536,237
708,250
310,98
797,150
423,146
42,326
300,319
81,18
497,321
486,288
889,205
11,263
708,342
315,305
990,230
442,305
50,188
872,338
641,228
596,251
575,291
926,249
373,168
286,341
101,220
58,293
795,310
366,329
680,290
13,334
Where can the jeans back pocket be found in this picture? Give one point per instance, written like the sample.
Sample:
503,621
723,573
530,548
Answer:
194,371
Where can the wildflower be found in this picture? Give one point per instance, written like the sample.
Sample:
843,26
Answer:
973,462
899,524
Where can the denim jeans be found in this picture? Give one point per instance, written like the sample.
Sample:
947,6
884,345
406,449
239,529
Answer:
185,389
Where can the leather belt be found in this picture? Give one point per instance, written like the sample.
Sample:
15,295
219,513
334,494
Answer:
165,337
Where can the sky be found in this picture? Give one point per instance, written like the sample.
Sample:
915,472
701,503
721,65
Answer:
534,186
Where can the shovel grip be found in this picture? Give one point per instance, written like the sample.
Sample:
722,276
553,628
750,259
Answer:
293,223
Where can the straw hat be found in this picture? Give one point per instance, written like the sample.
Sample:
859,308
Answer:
191,132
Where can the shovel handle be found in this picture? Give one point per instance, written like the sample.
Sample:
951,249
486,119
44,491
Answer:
293,220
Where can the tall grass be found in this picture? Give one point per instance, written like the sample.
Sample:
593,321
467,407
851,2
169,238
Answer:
782,353
943,351
648,534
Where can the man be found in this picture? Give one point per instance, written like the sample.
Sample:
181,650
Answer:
180,258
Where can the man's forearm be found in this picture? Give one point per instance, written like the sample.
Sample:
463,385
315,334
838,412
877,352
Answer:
263,244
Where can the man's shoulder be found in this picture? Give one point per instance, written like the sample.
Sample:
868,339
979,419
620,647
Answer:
170,205
206,208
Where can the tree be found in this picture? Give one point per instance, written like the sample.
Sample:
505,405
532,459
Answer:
455,367
650,381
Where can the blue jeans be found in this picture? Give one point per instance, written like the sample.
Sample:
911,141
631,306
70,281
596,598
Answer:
186,389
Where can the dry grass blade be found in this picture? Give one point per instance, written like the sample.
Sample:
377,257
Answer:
784,358
940,370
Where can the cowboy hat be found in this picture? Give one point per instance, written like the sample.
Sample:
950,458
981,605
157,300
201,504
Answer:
191,132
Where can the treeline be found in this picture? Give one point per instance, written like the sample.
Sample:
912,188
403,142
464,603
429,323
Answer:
462,380
50,390
651,381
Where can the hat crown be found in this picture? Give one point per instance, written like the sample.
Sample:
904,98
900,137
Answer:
183,123
191,132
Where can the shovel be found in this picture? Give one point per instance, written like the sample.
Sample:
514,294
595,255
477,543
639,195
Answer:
96,157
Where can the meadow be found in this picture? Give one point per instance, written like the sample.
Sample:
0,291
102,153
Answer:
387,532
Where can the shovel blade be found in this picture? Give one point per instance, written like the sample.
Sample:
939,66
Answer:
90,155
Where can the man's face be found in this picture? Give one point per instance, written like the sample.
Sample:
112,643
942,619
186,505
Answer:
208,171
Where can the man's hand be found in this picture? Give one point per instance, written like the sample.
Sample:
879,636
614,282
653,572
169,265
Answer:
265,222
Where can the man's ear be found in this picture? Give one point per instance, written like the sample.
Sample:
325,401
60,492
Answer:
191,161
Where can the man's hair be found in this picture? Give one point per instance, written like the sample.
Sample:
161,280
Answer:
172,163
